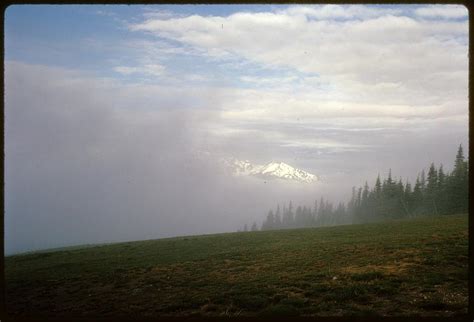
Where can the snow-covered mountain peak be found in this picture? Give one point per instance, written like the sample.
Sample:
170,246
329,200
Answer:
271,170
277,166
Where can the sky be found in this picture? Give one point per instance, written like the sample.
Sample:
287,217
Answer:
116,116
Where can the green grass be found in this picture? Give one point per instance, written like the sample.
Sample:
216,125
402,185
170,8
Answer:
404,268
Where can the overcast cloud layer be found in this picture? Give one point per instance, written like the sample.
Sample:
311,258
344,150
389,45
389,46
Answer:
123,142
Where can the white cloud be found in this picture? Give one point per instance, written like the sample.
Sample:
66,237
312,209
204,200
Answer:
337,11
269,81
442,11
148,50
373,46
126,70
154,69
105,13
157,13
148,69
374,65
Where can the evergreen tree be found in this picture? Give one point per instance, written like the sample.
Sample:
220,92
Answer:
365,194
423,181
291,216
307,217
299,217
285,221
441,192
441,178
458,185
417,198
400,188
378,187
254,226
408,198
315,214
270,220
432,184
329,214
389,179
277,222
359,198
339,214
431,191
402,203
363,213
390,202
352,203
320,217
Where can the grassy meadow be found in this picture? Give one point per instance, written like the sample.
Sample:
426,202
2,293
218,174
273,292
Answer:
402,268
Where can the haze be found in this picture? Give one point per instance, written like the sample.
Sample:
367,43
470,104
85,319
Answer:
117,117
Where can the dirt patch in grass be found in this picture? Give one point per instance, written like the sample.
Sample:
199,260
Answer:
386,269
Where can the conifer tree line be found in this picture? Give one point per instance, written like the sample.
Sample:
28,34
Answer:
434,193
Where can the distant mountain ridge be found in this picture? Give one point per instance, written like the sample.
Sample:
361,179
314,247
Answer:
271,170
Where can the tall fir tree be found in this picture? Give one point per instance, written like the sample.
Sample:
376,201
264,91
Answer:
277,222
314,214
254,226
417,197
423,181
378,187
408,198
458,185
431,191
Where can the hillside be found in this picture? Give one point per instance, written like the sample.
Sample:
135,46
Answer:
417,267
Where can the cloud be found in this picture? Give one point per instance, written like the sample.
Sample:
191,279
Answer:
148,69
157,13
126,70
270,81
375,51
337,11
375,66
105,13
442,11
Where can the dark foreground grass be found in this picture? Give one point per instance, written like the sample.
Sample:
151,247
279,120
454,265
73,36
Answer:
417,267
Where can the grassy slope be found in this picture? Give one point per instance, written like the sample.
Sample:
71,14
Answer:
400,268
